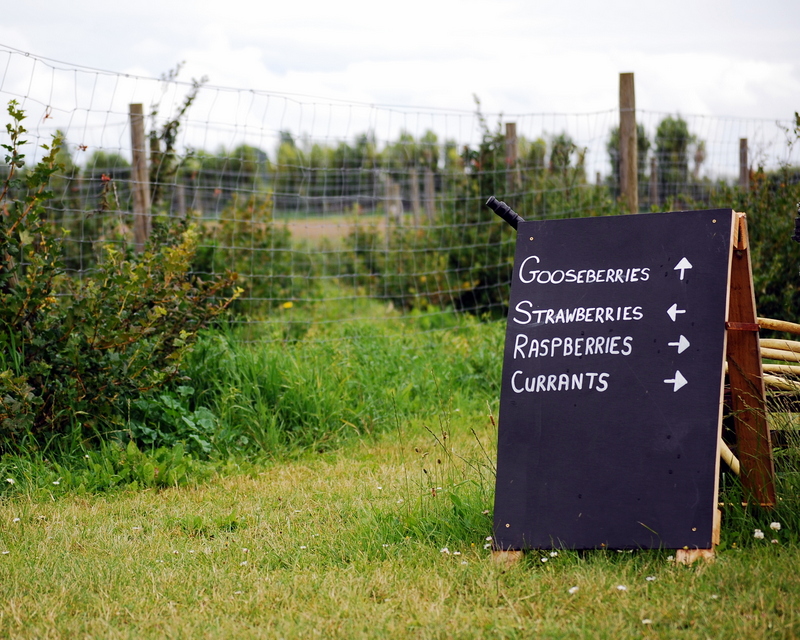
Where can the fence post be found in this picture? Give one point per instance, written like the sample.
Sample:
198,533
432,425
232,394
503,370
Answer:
653,182
394,203
413,178
140,180
744,165
430,195
512,153
628,163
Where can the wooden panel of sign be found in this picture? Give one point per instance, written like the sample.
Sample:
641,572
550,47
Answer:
611,398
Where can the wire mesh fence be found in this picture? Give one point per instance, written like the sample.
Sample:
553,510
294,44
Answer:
322,206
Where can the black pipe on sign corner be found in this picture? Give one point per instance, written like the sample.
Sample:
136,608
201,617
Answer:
505,212
796,236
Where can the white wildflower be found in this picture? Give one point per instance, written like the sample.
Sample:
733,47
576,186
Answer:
11,481
758,534
621,587
573,590
775,526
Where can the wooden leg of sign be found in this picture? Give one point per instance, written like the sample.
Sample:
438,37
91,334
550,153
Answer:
690,556
507,557
748,399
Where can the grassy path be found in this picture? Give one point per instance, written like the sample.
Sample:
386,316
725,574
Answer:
350,544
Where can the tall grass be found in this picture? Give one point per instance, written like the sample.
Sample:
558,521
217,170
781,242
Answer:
345,380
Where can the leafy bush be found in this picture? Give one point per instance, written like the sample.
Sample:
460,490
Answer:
246,240
771,204
75,354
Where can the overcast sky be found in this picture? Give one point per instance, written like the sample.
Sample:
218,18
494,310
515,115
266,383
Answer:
731,68
712,57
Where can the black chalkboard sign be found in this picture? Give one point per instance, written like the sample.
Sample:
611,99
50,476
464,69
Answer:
613,370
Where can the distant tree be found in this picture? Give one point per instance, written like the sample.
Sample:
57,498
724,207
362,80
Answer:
288,171
672,142
642,150
106,161
532,154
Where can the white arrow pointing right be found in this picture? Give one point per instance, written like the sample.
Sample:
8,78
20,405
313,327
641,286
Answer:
682,344
678,381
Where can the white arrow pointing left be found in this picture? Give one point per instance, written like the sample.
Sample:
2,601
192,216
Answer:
683,265
673,311
678,381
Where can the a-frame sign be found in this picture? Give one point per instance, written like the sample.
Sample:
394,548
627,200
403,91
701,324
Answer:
618,332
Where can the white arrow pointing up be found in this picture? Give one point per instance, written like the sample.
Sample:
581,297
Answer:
673,311
678,381
682,344
683,265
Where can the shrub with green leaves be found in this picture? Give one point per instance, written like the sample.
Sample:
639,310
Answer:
74,354
247,240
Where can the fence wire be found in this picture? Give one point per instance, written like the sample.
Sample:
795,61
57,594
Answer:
324,207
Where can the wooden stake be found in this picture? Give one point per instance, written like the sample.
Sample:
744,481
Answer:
507,557
140,179
748,399
628,163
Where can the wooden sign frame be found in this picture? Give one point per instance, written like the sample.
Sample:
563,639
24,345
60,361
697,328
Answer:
748,400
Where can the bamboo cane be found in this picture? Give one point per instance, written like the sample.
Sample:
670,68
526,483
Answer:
780,354
776,382
779,325
727,456
783,345
786,369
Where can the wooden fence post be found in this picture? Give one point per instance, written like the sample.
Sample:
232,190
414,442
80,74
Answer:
628,163
139,178
430,195
416,207
744,168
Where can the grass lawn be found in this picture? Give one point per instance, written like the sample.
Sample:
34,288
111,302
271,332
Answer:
351,544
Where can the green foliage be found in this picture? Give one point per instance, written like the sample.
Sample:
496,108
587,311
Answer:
343,379
75,353
246,240
770,203
164,161
642,150
463,259
112,465
672,143
167,420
